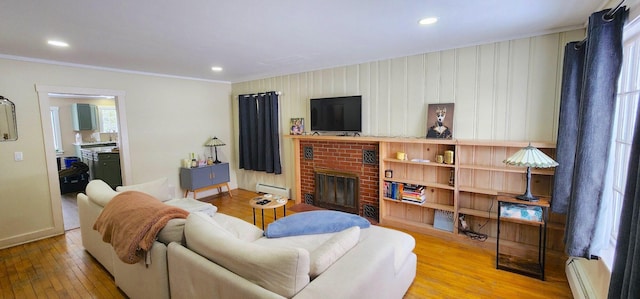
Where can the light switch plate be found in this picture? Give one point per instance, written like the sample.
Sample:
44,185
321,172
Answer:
17,156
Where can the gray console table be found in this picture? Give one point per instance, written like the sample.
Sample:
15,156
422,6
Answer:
205,178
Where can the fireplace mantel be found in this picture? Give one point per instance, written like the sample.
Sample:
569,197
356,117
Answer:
354,138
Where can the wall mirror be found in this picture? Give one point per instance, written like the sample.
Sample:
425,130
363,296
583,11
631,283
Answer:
8,126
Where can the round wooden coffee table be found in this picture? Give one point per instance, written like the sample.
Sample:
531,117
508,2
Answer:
268,201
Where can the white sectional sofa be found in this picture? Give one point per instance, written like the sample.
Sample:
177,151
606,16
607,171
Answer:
147,278
232,260
221,256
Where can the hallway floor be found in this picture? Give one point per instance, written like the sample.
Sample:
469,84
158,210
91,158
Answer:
70,211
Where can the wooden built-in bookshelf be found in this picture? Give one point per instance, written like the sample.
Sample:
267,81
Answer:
479,175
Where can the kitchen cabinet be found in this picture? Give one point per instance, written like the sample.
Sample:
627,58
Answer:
93,146
84,116
106,166
103,165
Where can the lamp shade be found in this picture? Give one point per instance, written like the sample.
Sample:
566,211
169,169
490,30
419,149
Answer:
213,142
531,157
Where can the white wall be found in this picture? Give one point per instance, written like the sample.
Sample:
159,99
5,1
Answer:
502,91
167,119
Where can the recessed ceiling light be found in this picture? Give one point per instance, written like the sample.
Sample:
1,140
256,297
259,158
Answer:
428,21
57,43
216,69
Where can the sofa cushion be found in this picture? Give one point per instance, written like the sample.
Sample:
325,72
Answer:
173,231
99,192
214,225
232,227
332,250
238,228
157,188
193,205
314,222
284,271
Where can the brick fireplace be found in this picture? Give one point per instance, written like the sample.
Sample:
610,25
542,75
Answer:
357,158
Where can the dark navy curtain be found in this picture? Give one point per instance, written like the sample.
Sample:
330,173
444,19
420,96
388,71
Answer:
587,109
259,132
626,264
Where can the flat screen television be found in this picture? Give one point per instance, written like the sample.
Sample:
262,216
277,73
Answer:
337,114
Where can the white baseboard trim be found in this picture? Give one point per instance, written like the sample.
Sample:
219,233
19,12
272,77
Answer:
588,279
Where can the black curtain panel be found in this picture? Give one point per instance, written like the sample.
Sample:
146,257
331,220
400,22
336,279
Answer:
583,144
626,263
568,125
259,132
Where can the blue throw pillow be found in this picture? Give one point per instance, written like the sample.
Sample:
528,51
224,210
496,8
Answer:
314,222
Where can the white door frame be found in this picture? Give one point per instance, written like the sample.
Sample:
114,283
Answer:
49,148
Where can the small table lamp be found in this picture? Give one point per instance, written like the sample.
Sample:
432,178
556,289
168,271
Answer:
530,157
214,143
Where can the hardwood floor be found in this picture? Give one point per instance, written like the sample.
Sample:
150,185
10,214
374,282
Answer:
58,267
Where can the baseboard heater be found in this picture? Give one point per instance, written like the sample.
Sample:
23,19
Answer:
277,190
588,279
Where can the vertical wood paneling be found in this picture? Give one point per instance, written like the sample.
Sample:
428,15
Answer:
447,77
366,90
352,80
296,108
339,81
376,102
542,90
519,62
432,82
465,92
318,88
384,100
503,91
415,120
485,94
303,98
398,96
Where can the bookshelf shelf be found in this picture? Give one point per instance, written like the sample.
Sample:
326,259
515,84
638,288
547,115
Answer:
507,169
477,213
425,204
469,186
435,164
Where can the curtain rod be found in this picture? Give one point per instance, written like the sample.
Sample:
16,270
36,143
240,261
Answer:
608,15
611,12
260,93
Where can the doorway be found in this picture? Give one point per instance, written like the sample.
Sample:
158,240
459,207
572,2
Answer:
44,96
84,126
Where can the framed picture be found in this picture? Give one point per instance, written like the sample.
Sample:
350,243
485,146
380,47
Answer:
297,126
440,121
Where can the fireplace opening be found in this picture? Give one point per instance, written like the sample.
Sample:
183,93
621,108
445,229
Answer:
337,191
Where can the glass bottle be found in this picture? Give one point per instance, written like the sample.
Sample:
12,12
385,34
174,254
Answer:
194,163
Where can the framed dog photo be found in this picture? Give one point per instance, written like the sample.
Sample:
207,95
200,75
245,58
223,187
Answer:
440,121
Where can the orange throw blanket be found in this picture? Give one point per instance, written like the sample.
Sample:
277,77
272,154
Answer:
131,221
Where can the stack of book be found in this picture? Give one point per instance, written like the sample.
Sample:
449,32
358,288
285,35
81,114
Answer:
413,193
393,190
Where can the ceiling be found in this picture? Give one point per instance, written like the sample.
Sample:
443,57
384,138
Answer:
253,39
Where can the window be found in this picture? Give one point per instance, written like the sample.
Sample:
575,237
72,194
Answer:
55,124
108,119
623,127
